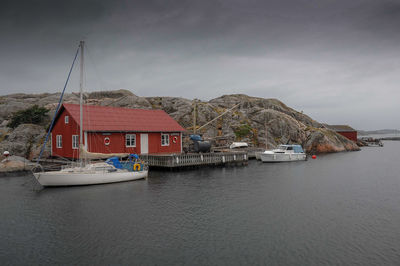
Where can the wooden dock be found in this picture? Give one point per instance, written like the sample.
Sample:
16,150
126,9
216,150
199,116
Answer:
251,151
195,159
172,161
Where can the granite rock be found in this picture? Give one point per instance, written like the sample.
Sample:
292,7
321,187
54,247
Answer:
269,121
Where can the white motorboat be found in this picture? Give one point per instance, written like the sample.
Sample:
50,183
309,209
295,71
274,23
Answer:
110,171
284,153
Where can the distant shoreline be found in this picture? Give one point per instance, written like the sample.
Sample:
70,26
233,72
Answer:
378,132
391,138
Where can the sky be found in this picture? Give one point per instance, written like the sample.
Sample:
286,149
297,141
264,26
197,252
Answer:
335,60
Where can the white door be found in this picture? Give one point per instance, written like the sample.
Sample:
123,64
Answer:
144,144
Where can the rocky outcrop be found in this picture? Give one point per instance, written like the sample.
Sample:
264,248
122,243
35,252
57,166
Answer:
25,140
178,108
324,140
118,98
269,122
15,164
254,104
255,120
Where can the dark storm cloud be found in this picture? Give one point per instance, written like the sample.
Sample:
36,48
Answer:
317,56
33,14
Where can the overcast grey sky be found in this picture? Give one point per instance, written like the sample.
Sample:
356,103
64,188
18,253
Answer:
336,60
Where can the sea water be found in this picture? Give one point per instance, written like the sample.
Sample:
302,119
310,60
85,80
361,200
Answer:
340,209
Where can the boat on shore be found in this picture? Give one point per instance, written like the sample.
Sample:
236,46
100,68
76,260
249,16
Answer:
238,145
284,153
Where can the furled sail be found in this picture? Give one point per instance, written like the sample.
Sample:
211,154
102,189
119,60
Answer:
94,155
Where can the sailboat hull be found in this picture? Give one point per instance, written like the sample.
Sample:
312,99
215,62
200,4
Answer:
59,178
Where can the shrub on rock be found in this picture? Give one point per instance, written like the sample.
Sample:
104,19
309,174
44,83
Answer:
32,115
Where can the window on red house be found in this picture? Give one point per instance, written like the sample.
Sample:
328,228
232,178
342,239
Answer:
59,141
164,139
130,140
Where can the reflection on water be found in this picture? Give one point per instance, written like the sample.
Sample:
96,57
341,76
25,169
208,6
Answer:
339,209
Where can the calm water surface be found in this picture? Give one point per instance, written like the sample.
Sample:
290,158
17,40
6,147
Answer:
339,209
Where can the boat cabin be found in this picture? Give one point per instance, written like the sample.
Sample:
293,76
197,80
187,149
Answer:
294,148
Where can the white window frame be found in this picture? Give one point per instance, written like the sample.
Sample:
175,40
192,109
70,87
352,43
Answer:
66,119
76,142
132,140
164,139
59,141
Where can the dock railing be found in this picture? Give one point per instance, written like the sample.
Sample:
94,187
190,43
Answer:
173,160
194,159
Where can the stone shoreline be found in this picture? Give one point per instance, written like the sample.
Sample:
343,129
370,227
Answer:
15,164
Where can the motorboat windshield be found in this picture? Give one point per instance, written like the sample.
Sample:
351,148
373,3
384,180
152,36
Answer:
291,148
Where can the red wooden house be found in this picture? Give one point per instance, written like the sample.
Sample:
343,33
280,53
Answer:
344,130
115,130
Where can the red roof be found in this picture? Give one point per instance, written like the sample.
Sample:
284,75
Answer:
340,128
105,118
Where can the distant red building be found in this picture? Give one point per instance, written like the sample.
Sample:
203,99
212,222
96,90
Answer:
344,130
115,130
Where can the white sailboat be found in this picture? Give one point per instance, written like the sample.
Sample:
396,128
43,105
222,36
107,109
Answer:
92,173
96,173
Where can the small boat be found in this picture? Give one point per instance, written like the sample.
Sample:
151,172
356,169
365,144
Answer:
238,145
375,144
284,153
110,171
371,142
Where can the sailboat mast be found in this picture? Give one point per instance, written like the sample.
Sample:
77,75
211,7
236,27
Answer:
266,135
82,44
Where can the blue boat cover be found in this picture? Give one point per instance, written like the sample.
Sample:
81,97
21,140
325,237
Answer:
134,156
195,137
114,161
129,165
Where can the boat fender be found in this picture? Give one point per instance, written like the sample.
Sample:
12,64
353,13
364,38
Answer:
106,141
137,167
174,139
